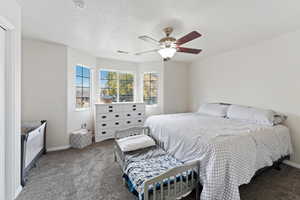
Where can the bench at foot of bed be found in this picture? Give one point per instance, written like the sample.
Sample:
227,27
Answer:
153,174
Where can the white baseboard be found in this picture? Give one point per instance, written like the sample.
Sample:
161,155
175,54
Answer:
58,148
18,191
292,164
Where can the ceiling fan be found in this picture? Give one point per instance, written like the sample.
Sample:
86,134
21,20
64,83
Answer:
168,46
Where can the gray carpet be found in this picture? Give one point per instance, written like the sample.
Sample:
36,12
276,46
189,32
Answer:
92,174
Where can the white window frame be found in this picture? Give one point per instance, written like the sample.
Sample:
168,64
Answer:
158,88
98,93
75,86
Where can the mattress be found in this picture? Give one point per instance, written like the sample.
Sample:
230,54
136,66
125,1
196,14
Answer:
230,151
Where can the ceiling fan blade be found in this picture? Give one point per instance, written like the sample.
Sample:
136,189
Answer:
189,37
188,50
144,52
149,39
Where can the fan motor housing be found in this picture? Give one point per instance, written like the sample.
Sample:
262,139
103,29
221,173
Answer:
168,41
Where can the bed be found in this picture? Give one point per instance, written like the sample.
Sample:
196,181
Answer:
230,151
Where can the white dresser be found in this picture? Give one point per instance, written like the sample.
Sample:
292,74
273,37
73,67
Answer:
117,116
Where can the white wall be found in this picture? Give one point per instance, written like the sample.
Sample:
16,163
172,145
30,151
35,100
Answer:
113,64
157,67
10,12
76,118
44,88
264,75
175,87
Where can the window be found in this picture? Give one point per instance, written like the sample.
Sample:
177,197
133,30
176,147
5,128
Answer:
83,87
119,86
150,88
109,85
125,87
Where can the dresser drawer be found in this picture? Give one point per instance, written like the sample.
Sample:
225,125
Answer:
118,124
139,114
138,121
138,108
104,134
117,116
128,122
110,108
128,115
133,107
101,117
104,124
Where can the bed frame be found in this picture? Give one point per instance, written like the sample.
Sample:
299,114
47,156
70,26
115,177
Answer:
276,165
33,146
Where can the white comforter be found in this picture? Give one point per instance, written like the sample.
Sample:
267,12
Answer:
230,151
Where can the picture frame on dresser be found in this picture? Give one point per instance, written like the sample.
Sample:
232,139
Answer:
117,116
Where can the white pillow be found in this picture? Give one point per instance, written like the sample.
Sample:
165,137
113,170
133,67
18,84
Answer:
214,109
250,114
136,142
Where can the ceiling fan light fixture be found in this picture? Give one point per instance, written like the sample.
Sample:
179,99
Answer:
79,4
167,52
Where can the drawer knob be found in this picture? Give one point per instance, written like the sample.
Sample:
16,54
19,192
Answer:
134,109
103,132
128,122
110,110
110,106
128,115
134,106
140,121
103,117
103,124
140,113
117,116
117,123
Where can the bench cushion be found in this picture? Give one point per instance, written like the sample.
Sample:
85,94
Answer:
136,142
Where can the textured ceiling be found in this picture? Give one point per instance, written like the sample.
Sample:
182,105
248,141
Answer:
106,26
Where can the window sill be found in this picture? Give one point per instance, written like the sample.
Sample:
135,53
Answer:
152,106
81,109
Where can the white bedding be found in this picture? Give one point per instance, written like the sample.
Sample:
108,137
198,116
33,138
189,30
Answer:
230,151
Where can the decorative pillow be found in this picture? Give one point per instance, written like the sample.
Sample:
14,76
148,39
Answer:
279,119
136,142
214,109
250,114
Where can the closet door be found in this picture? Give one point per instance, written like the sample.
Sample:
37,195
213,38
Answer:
2,113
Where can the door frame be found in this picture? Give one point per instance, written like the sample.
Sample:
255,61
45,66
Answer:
13,110
2,134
